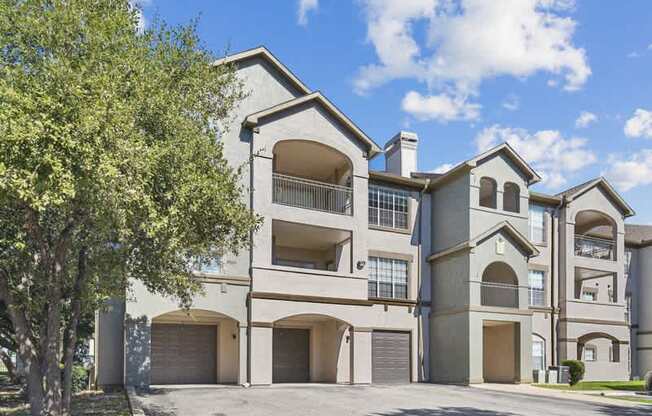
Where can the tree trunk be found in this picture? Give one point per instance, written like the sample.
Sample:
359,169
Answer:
9,365
52,360
70,337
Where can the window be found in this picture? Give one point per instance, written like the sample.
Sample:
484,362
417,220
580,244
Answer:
488,193
388,208
212,266
512,197
589,295
590,353
387,278
537,224
538,353
537,288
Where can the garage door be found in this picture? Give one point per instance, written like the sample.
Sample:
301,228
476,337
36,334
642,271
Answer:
390,353
183,354
291,355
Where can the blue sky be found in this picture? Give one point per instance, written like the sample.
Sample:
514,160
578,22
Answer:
566,82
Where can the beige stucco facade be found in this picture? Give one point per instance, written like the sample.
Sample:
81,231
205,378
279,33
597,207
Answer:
457,306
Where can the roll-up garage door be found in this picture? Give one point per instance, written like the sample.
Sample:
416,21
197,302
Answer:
390,353
183,354
291,355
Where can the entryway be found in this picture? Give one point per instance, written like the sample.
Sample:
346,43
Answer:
501,352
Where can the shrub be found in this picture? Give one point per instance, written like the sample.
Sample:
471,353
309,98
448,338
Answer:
79,378
576,369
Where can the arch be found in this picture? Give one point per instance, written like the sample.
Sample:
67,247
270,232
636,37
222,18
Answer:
596,234
310,159
310,316
511,197
488,191
499,285
190,315
538,353
594,335
583,343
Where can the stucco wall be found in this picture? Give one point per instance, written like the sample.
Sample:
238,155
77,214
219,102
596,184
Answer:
644,347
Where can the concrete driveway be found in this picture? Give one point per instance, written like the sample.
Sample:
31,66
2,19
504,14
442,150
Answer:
334,400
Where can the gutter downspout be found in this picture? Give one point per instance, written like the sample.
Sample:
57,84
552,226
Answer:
419,277
251,253
553,275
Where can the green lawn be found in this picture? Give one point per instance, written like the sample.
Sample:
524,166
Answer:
597,385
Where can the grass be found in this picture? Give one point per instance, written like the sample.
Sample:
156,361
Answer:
598,385
89,403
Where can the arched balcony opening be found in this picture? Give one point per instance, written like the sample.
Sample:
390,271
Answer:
313,176
488,191
512,197
499,286
597,347
595,235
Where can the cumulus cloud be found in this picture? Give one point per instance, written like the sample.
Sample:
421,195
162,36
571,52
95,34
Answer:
585,119
640,124
442,107
304,7
468,41
511,103
550,154
630,172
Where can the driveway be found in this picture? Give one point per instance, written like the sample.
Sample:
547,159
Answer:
334,400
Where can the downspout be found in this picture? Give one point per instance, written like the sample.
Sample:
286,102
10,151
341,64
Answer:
419,279
553,276
251,253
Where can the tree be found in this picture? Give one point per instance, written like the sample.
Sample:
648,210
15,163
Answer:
110,170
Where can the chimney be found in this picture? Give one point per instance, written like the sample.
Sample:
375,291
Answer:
401,154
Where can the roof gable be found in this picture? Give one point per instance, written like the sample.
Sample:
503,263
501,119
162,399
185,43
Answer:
507,150
579,190
254,119
264,53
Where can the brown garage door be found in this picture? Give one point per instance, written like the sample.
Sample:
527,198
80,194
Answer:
291,355
183,354
390,353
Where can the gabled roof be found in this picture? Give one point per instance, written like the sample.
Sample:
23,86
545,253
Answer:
505,226
575,192
533,177
252,120
264,53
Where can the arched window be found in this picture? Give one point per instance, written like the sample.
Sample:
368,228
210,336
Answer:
511,197
488,193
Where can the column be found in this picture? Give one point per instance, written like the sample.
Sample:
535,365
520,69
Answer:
261,353
243,339
361,356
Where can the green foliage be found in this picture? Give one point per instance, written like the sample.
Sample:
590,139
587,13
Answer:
576,369
79,378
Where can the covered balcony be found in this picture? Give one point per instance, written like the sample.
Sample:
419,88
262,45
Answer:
310,175
595,235
499,286
595,286
311,247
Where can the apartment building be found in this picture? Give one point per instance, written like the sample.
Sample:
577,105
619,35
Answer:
395,276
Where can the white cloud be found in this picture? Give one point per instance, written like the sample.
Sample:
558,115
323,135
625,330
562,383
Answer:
468,41
442,107
640,124
304,7
628,173
443,168
633,55
511,103
649,46
550,154
585,119
138,6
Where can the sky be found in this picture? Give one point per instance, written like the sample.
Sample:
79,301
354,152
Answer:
567,83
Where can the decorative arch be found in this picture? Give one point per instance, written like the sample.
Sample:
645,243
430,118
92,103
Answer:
309,316
488,192
596,234
511,197
584,342
310,159
191,315
499,286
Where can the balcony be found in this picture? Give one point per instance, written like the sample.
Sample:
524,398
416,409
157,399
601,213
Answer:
311,194
537,297
593,247
499,294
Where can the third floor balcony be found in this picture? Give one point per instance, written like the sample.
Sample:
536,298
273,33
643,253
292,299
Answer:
596,248
595,236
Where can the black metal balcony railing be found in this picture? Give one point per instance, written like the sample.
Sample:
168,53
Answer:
309,194
499,294
596,248
537,297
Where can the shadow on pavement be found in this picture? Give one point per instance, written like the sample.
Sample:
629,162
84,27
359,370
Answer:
443,411
625,411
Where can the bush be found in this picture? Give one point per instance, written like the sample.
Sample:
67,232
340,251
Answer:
79,378
576,369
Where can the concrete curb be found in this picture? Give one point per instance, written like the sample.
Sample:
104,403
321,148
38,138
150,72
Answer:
134,404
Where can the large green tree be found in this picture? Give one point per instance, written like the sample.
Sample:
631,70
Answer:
110,170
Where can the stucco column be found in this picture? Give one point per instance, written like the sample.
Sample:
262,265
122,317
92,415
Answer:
242,353
567,350
361,355
137,351
261,354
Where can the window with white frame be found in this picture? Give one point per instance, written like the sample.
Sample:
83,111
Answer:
388,207
538,353
388,278
590,353
537,288
537,223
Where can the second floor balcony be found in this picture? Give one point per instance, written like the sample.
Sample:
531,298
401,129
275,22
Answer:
499,286
310,194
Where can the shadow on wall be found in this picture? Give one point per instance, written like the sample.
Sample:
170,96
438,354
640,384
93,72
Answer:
137,339
444,411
